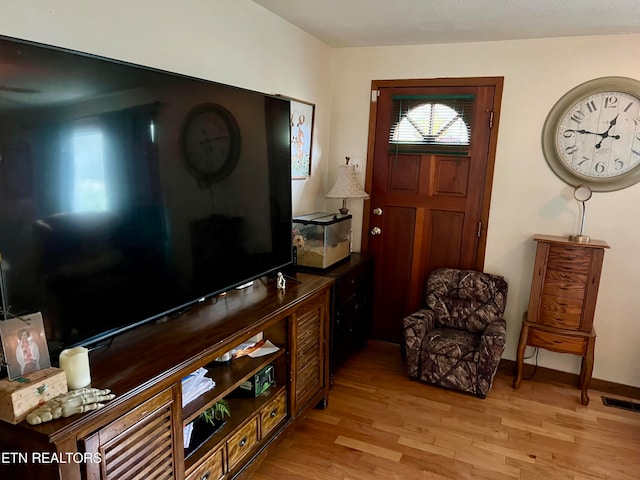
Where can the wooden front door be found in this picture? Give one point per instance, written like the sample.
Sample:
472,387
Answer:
429,170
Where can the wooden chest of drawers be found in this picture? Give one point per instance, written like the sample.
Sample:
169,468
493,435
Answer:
351,306
564,289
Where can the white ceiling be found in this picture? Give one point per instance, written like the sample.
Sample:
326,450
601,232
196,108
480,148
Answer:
361,23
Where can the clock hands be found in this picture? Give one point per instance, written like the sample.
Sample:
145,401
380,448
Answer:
208,139
606,134
603,135
581,131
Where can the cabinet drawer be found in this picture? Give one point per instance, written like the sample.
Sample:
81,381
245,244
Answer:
560,312
212,468
271,415
569,259
241,443
348,316
557,343
351,283
564,284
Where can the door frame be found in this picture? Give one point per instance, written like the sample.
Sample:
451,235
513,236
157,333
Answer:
497,83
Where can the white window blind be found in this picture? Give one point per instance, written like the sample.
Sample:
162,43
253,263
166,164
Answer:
431,123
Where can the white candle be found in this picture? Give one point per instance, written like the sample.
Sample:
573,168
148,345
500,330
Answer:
75,363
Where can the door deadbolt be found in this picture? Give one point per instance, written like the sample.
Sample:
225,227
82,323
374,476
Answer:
376,231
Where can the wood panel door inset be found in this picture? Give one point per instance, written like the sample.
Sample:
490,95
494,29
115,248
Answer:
138,445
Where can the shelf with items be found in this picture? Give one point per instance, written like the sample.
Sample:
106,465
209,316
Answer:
236,436
227,379
243,411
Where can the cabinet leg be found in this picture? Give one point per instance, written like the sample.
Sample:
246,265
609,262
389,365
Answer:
323,403
586,371
522,344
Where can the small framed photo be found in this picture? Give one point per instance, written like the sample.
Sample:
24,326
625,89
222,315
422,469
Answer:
302,117
25,345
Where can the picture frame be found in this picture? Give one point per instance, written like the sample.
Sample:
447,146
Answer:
302,117
24,343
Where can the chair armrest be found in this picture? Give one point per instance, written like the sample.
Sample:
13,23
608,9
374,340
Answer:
416,326
495,332
492,344
419,323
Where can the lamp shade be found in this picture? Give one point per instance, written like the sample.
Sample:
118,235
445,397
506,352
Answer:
347,185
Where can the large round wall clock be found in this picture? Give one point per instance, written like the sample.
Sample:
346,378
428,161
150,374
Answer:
210,143
592,134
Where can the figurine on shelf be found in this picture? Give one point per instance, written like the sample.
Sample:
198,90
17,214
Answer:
281,282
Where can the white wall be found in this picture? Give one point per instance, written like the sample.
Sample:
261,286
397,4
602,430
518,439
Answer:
527,197
239,43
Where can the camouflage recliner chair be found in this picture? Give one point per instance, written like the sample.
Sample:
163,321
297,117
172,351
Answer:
457,340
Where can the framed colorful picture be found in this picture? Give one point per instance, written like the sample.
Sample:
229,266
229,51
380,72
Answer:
302,116
25,345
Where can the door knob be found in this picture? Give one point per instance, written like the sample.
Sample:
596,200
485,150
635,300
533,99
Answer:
377,211
376,231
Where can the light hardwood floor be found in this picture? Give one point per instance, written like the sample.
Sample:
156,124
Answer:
381,425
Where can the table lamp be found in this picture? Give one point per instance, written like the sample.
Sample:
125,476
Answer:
346,186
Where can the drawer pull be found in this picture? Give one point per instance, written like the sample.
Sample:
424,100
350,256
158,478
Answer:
273,413
205,476
243,442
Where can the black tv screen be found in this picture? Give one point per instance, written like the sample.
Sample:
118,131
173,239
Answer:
129,193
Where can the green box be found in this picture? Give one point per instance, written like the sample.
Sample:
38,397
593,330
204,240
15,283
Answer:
260,382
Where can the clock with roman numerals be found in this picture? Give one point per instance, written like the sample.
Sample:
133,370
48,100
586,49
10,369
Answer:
592,134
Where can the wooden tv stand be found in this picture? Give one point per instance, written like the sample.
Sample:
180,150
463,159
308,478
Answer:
140,432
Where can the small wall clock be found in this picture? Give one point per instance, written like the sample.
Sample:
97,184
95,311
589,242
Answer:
592,134
210,142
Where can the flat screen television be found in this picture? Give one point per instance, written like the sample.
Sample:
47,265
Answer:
128,193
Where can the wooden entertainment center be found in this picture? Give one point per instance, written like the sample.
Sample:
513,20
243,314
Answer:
139,434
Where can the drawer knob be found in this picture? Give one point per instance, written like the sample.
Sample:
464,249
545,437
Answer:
205,476
243,442
274,412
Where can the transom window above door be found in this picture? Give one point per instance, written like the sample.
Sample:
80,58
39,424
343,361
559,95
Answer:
431,124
